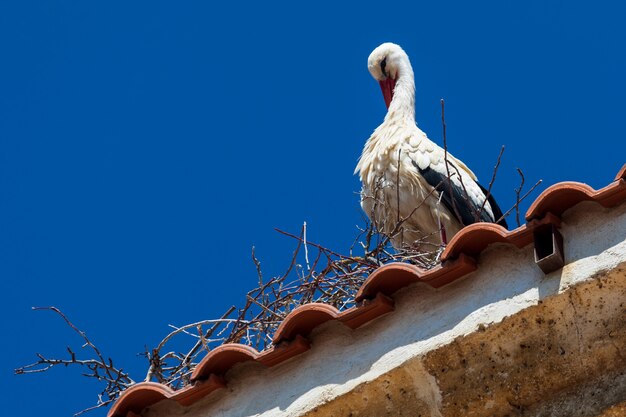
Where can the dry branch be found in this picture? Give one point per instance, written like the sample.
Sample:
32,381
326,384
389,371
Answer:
115,379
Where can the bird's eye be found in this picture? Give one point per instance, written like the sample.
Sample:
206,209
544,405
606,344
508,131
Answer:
383,65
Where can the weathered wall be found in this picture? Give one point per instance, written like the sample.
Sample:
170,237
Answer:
564,357
428,327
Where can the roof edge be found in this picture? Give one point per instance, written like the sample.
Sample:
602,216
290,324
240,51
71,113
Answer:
458,259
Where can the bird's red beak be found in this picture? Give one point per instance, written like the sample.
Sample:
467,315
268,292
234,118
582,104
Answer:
387,85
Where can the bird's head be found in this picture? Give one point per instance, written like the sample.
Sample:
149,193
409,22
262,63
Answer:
385,64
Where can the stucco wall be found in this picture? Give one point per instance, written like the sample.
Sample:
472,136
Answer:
562,357
429,322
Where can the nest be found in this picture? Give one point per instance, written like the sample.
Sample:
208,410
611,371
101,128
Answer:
316,274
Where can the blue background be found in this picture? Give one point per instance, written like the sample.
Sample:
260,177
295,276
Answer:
146,146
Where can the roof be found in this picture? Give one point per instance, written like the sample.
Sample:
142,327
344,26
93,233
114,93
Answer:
375,295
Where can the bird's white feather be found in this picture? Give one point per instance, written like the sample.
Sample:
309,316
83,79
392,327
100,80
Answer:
393,188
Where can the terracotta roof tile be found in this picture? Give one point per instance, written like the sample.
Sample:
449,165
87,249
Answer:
559,197
473,239
304,319
392,277
307,317
373,297
220,360
145,394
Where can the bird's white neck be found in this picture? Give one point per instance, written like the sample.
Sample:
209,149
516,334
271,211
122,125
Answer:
403,103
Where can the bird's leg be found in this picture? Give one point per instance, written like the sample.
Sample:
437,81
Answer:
442,231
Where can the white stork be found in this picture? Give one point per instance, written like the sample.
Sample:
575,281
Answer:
404,174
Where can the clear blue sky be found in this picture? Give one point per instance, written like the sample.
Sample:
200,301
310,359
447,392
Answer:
145,147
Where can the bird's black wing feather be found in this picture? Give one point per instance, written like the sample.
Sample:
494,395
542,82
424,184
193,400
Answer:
455,200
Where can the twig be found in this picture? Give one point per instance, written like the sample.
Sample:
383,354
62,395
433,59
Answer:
306,248
517,192
493,178
115,379
257,264
518,200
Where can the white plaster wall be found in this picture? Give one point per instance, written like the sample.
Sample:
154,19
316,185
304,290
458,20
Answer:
506,281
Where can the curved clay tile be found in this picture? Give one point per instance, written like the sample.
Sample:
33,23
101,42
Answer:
304,319
388,279
222,358
367,311
558,198
473,239
138,397
392,277
198,390
284,351
564,195
145,394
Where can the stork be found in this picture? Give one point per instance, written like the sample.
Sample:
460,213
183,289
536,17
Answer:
404,174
